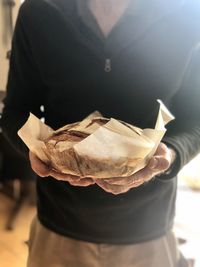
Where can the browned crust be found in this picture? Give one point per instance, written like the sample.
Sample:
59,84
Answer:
69,162
68,136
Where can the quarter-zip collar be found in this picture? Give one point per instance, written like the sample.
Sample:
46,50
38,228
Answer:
132,26
139,18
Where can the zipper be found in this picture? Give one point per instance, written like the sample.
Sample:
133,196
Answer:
108,65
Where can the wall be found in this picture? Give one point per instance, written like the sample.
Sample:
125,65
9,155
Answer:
5,39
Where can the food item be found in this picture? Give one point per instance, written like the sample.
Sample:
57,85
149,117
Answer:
95,147
63,157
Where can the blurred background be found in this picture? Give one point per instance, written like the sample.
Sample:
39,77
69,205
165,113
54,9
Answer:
17,181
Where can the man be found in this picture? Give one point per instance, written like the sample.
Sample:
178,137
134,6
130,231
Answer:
118,57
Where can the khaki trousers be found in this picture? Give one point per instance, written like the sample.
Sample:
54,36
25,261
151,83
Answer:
48,249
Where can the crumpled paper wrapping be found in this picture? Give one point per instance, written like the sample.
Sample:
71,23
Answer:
111,148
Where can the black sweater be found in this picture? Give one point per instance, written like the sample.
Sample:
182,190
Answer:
58,62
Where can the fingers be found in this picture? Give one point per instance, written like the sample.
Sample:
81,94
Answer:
156,165
162,159
162,149
63,176
159,163
129,181
121,185
114,189
83,182
38,166
166,155
72,179
44,170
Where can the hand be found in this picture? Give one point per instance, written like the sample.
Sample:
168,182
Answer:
43,170
159,163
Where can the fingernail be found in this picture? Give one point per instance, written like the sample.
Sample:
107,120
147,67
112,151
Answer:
153,163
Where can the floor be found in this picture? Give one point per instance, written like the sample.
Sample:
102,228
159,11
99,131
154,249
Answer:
13,249
187,221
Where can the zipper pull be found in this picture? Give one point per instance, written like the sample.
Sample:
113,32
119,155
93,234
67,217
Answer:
108,67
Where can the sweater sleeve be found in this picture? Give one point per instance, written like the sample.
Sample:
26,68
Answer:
183,134
24,85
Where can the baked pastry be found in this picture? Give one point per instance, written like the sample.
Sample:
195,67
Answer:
62,155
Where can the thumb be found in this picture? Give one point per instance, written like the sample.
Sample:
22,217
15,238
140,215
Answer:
159,163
